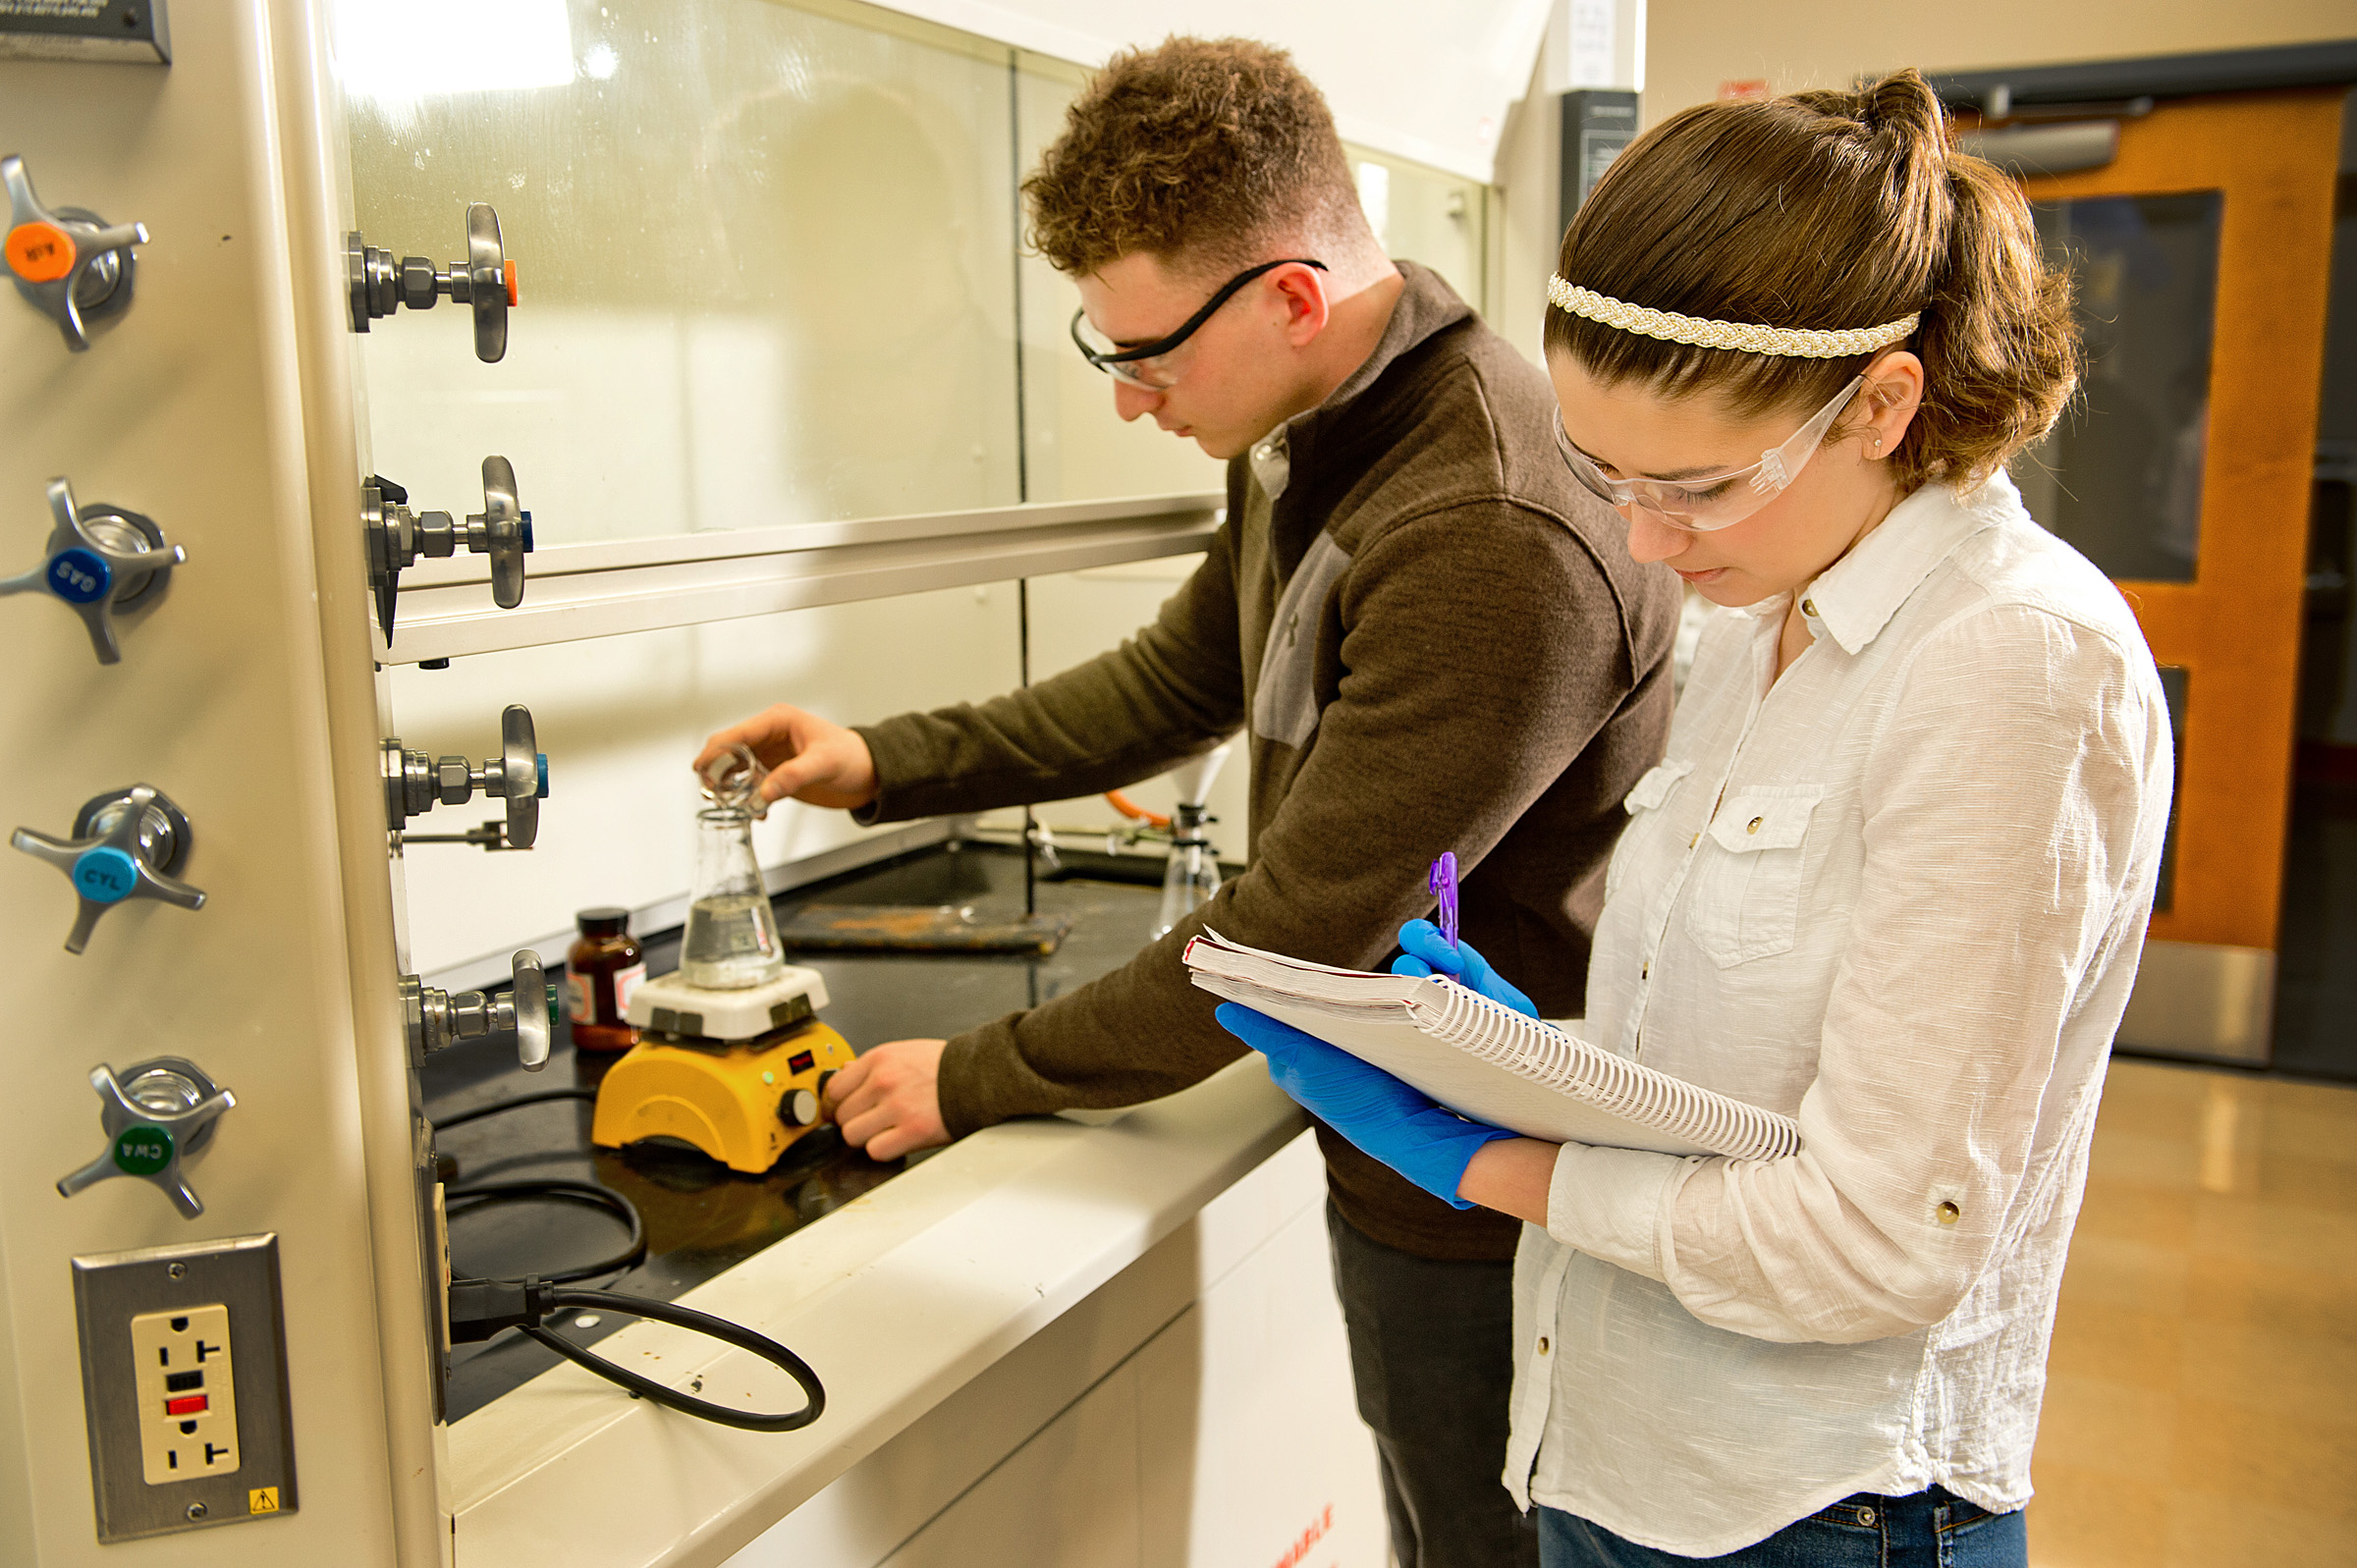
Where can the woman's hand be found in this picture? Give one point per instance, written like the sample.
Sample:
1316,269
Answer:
809,758
1396,1123
1428,953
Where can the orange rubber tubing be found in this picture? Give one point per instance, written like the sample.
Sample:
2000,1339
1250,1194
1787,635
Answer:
1134,811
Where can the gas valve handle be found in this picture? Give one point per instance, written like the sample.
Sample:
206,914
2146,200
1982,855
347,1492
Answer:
127,844
97,562
501,531
416,783
486,281
439,1020
530,1009
68,260
396,537
157,1115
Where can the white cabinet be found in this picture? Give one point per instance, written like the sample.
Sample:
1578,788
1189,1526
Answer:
1068,1498
1195,1409
1250,1442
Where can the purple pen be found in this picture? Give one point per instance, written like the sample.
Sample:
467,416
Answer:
1443,881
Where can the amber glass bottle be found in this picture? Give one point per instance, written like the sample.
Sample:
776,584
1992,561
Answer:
604,966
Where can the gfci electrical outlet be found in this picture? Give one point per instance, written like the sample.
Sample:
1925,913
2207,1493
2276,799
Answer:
183,1386
188,1393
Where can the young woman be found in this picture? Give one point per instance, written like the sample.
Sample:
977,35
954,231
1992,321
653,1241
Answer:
1892,878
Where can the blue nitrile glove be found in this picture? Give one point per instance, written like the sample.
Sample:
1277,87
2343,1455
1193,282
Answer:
1395,1123
1429,953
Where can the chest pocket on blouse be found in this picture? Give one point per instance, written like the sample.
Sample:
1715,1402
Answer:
1745,902
1640,803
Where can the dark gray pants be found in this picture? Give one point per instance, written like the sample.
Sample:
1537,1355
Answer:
1432,1355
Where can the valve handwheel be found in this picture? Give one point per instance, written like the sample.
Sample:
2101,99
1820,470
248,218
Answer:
486,282
417,782
397,536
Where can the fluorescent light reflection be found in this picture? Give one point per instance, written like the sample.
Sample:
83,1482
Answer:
425,48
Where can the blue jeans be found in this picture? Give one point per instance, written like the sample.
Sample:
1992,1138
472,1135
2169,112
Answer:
1935,1529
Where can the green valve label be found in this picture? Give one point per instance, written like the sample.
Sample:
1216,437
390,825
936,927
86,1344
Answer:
142,1151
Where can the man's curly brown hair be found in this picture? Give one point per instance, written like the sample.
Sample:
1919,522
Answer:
1198,151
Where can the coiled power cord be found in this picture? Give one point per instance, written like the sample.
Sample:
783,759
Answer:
482,1308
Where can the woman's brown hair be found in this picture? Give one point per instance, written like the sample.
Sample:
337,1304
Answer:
1831,210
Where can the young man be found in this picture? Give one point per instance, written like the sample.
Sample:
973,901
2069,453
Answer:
1433,638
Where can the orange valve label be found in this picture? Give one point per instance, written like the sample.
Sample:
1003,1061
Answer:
39,252
511,270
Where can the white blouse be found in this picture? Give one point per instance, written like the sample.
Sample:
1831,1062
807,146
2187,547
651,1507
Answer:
1900,893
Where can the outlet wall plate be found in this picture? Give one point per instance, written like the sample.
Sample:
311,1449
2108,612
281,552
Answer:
228,1289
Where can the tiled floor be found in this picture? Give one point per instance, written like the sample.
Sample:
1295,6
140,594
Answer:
2201,1409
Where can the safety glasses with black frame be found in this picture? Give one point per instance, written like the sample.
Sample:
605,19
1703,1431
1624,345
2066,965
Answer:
1150,365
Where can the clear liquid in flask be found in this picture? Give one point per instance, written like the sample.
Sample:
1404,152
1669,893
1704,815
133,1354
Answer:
732,942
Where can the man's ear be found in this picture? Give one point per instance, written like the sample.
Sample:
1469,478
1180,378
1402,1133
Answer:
1302,293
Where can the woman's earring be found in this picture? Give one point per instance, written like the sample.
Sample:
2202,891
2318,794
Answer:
1878,441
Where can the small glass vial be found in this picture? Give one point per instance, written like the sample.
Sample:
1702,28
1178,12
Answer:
604,966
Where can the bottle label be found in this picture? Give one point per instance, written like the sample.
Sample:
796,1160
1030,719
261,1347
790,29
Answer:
625,982
577,1003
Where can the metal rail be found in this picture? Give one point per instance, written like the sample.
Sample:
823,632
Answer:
602,590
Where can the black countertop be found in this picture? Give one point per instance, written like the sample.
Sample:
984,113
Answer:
700,1217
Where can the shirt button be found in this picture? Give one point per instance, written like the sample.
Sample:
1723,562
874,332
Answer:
1949,1212
1808,606
1645,971
1691,843
1753,825
1865,1516
1542,1344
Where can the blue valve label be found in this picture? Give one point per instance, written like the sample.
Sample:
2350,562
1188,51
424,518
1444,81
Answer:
79,577
105,875
143,1149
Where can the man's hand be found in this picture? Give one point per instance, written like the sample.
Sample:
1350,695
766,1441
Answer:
816,762
888,1101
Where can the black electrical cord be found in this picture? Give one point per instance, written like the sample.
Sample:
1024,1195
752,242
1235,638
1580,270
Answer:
588,1191
541,1097
688,1318
481,1308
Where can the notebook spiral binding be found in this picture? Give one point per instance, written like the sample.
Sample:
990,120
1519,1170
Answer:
1546,1056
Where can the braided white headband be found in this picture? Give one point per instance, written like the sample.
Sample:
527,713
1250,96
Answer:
1802,343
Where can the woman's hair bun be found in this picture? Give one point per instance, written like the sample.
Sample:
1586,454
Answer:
1905,103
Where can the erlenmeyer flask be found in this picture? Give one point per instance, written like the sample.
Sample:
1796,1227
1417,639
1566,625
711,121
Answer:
1192,875
731,940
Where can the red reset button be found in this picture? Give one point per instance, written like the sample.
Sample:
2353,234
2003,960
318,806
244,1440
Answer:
192,1405
39,252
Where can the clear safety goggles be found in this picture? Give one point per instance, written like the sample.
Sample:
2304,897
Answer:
1715,501
1154,365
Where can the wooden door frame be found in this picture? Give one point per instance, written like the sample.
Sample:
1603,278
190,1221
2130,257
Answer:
2235,628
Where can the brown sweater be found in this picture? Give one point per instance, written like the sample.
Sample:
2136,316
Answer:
1437,641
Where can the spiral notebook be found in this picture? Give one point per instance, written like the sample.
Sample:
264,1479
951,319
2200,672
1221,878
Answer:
1482,1061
